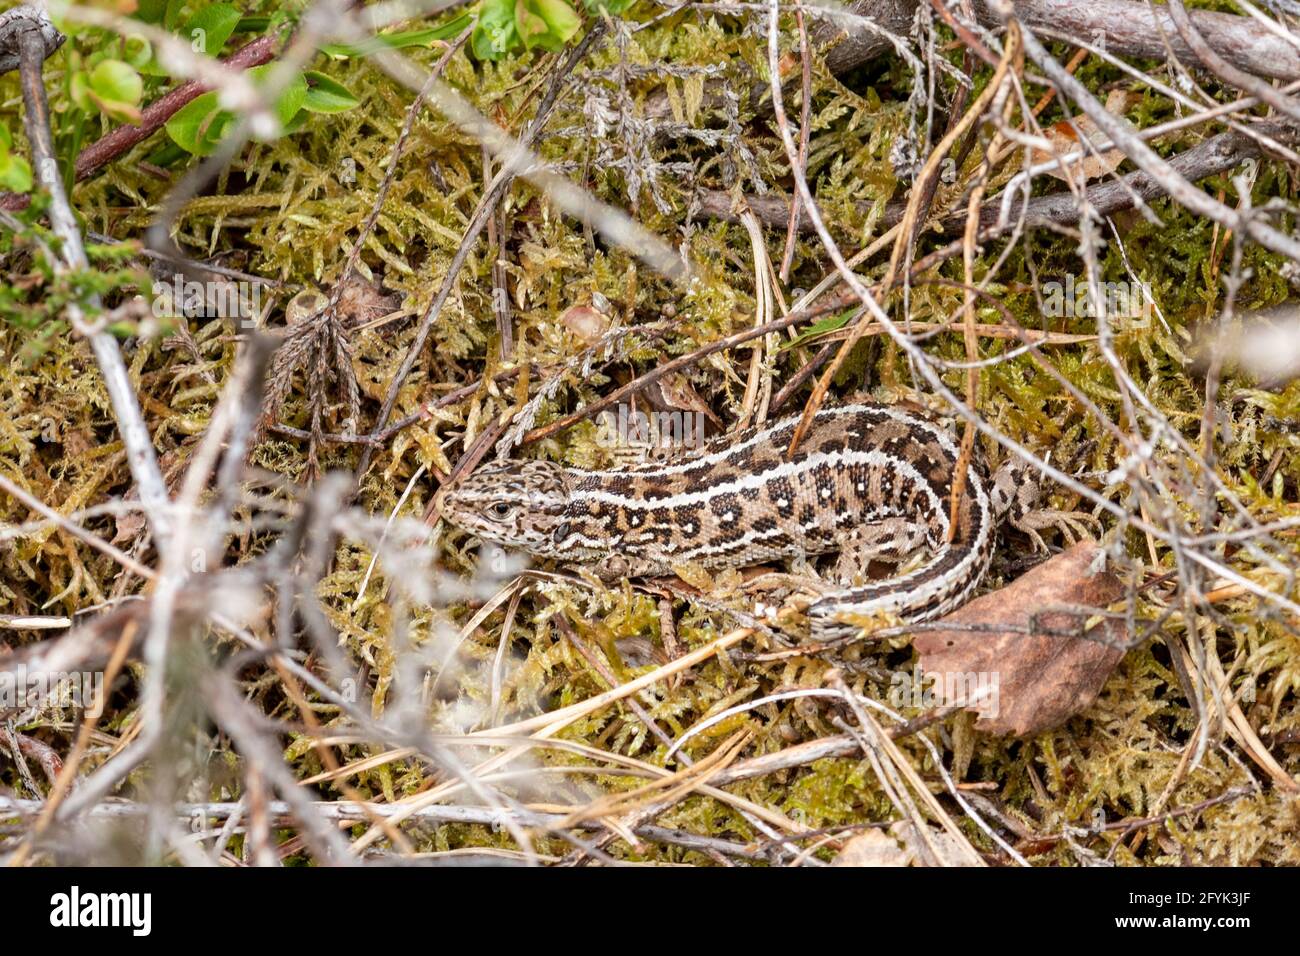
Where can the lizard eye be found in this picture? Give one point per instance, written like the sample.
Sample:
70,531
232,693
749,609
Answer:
501,510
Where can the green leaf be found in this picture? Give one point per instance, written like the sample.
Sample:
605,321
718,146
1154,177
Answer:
548,24
327,95
79,89
150,11
197,126
828,324
613,7
138,51
167,154
295,124
15,173
6,138
293,97
209,29
495,33
398,40
563,21
116,81
206,31
532,28
115,87
173,15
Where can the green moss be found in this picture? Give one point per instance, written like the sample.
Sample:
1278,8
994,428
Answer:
290,210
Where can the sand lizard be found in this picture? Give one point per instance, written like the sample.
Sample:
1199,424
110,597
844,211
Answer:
870,481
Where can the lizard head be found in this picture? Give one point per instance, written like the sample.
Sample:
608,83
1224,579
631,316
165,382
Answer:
517,504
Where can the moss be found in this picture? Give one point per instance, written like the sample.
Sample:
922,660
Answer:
290,209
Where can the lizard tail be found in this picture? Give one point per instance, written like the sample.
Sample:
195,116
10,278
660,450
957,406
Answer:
929,592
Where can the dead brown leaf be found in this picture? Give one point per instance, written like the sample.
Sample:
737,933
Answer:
128,526
872,848
1065,139
899,847
1031,681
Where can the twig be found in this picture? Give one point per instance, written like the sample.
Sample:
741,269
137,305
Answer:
141,457
394,164
1122,134
903,242
682,361
1216,155
805,121
350,811
118,141
74,529
1225,70
500,183
1125,27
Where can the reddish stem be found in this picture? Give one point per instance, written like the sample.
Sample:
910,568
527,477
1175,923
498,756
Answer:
118,141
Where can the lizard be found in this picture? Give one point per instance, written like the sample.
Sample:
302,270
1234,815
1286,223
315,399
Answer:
871,481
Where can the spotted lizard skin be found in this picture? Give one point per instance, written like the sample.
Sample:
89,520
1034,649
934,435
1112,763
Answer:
876,479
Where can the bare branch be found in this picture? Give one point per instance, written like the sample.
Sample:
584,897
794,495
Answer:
141,457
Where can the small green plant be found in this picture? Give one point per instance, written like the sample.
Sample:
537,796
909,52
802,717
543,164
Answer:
399,39
37,291
200,125
111,86
15,172
503,27
109,76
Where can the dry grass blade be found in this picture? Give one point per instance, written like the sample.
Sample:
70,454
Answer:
479,253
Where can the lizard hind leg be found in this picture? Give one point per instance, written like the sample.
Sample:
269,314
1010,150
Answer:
925,593
1016,492
893,540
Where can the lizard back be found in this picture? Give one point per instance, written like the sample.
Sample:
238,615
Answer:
873,478
738,500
